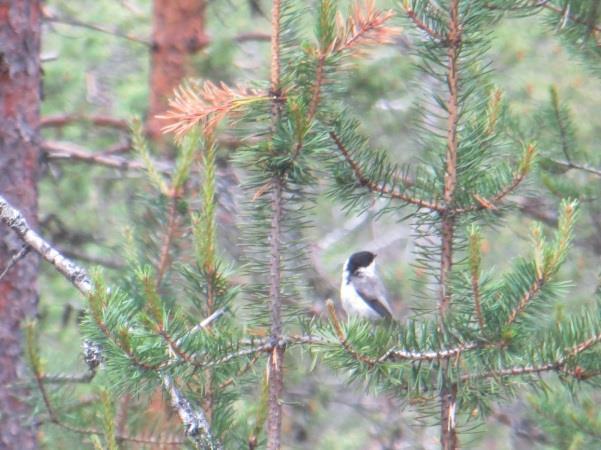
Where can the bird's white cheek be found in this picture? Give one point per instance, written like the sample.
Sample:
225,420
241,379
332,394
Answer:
370,271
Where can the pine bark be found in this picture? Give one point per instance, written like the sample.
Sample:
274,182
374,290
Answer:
178,32
275,377
448,394
20,28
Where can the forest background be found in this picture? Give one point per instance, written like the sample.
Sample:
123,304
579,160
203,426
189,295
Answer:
98,79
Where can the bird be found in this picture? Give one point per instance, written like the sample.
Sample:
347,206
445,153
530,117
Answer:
362,293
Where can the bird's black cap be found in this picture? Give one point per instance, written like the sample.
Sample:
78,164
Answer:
359,260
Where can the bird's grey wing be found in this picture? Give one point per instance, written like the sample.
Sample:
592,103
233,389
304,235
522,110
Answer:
372,291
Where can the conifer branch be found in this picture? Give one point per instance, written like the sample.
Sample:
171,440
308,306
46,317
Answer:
420,24
267,347
563,133
343,339
565,13
249,365
474,262
556,366
519,176
80,279
393,354
364,181
364,26
560,367
436,355
547,262
316,89
314,103
121,340
525,299
262,346
54,417
168,236
584,345
207,104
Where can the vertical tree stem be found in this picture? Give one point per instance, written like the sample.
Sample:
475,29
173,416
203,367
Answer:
275,46
448,433
275,368
20,30
178,31
275,376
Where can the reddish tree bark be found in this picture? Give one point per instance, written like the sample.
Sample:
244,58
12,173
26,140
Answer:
178,32
19,152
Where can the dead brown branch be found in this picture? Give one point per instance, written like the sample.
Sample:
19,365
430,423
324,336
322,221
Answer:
95,27
15,258
63,120
58,151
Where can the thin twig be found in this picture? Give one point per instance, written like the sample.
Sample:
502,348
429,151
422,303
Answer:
168,236
96,260
206,322
560,125
255,36
14,260
67,379
572,165
102,29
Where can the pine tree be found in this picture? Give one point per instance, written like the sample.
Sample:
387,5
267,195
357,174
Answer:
171,321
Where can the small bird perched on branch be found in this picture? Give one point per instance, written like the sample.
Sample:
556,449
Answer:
362,292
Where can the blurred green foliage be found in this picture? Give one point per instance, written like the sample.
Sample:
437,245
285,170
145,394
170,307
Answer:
91,73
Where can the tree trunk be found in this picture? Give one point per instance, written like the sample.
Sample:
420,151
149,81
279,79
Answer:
19,153
178,32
